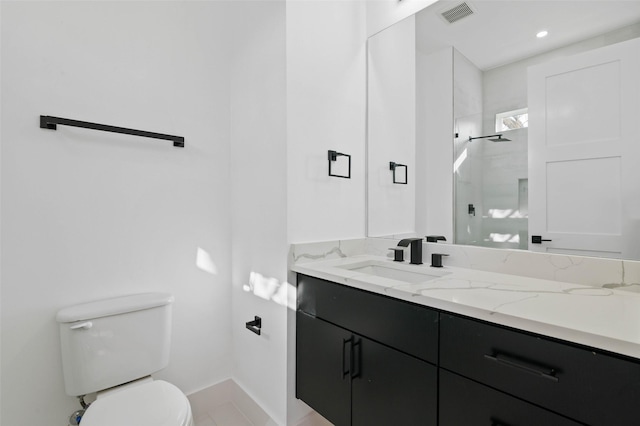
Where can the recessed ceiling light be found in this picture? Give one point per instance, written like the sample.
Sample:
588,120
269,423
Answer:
542,33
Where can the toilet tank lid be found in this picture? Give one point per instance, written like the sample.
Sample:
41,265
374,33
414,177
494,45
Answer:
113,306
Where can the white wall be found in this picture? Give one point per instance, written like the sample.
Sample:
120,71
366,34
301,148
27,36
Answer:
391,137
467,107
434,124
259,203
467,86
326,110
87,214
281,191
384,13
326,94
0,216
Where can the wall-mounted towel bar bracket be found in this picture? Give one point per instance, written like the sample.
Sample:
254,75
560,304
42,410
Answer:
255,325
333,156
48,122
537,239
393,166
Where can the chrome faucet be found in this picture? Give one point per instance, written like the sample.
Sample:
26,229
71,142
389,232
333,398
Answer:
416,249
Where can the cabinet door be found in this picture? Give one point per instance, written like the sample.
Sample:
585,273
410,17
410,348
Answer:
323,379
391,388
464,402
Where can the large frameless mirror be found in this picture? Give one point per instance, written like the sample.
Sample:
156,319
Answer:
511,138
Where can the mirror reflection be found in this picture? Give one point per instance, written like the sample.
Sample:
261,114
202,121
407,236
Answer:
506,131
491,183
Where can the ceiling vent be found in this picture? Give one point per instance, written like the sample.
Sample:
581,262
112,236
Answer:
457,13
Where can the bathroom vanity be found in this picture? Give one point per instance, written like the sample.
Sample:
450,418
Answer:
462,347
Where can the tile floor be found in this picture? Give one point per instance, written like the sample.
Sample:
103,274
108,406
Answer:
223,415
226,404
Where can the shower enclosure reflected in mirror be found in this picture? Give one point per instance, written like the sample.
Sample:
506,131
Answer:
490,176
452,101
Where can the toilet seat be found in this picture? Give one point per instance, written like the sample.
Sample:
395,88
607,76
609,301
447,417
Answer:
152,403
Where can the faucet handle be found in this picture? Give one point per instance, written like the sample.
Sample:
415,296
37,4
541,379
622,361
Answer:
435,238
436,260
398,254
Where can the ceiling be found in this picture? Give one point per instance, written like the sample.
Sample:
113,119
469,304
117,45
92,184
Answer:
503,31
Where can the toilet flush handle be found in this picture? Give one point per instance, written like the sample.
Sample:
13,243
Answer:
84,325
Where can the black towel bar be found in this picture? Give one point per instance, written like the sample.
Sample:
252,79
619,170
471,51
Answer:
48,122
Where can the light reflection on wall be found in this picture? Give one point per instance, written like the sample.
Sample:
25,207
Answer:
205,262
459,161
281,293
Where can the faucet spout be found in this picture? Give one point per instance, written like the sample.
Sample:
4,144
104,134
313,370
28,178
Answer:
416,249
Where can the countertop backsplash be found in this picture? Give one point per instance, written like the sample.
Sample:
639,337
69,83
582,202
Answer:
592,271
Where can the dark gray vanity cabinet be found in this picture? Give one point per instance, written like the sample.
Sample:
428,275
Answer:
576,382
367,359
362,358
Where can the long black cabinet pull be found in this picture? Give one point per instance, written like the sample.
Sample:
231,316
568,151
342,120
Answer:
346,370
356,356
544,372
497,423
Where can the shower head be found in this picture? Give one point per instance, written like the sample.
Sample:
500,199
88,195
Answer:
496,138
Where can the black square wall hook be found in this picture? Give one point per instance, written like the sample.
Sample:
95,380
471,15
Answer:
333,156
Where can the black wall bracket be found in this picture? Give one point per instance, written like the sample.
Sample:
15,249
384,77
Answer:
537,239
51,123
255,325
393,166
333,156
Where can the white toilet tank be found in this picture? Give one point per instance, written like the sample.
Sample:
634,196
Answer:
114,341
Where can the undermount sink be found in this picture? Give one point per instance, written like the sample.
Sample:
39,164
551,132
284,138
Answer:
395,272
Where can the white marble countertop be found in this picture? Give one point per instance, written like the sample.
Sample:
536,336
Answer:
603,318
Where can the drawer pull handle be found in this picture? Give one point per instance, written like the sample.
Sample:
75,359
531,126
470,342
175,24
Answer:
497,423
348,360
545,373
356,359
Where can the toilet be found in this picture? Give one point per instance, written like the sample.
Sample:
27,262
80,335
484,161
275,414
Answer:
111,347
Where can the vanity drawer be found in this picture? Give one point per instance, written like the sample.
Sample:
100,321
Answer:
407,327
584,384
465,402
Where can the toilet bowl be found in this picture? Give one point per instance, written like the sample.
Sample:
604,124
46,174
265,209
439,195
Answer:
142,403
